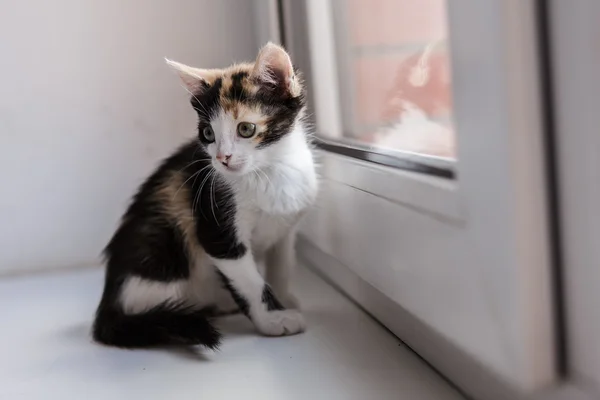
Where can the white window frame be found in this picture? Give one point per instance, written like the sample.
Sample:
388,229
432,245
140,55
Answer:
574,49
501,159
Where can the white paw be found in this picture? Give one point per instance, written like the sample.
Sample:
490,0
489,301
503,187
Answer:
280,323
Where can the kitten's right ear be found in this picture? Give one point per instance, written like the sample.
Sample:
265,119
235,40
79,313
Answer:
273,67
194,79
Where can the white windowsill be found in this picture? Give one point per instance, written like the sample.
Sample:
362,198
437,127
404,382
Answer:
423,193
344,354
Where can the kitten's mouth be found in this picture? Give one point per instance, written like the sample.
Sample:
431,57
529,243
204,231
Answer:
229,168
232,168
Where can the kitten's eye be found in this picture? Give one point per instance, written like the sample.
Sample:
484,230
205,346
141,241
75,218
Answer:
246,129
209,134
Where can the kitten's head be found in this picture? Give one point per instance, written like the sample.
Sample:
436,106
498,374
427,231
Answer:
245,111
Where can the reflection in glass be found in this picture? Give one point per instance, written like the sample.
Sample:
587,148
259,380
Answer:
400,74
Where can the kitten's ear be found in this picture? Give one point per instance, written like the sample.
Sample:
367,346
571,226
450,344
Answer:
194,79
274,67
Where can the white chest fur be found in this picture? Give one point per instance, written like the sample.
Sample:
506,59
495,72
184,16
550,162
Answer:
271,200
271,205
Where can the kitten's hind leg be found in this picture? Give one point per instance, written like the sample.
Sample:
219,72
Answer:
256,299
145,313
280,263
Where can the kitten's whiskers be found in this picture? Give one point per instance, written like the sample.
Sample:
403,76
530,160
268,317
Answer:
212,197
199,194
265,175
190,177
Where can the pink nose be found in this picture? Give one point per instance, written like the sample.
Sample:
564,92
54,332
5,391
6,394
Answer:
224,158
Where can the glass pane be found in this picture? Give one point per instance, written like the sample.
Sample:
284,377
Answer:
395,70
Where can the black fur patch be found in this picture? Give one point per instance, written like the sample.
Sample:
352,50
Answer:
214,210
270,300
206,103
282,111
166,324
236,91
240,300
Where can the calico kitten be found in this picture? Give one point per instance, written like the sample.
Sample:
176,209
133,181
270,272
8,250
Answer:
197,230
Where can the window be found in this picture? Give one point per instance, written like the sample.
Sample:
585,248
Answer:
468,257
394,77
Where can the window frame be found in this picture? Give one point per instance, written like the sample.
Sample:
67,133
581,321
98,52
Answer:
500,142
576,92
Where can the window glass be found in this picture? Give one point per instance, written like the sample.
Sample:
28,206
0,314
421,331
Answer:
395,75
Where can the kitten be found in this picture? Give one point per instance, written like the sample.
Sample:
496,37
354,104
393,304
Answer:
191,241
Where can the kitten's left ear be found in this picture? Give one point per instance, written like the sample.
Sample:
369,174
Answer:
274,67
194,79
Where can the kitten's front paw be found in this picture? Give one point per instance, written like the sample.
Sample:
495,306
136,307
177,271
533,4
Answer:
280,323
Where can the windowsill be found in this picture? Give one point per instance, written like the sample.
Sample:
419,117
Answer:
344,354
423,193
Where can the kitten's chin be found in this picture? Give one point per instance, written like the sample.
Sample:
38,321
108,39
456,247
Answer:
232,170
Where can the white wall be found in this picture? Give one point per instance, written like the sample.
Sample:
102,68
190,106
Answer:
87,108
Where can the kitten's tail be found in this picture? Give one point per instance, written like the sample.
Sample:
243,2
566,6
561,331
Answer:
165,324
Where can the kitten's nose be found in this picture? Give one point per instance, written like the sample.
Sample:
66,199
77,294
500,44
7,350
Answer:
224,158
